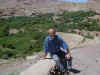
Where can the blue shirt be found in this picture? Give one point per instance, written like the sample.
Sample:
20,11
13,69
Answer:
54,45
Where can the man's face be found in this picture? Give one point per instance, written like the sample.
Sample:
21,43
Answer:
52,34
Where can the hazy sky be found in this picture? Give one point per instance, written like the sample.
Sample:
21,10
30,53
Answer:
74,1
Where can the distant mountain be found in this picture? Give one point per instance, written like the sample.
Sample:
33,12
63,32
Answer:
32,1
29,7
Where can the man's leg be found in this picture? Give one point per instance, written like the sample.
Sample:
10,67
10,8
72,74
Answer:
58,62
69,63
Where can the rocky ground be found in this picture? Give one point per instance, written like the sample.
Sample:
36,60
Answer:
86,60
86,57
16,66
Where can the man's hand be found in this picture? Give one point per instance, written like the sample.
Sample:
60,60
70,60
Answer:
44,56
68,56
67,51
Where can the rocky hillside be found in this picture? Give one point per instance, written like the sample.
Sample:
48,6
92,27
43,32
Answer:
32,7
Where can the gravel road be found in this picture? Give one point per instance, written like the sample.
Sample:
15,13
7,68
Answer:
86,61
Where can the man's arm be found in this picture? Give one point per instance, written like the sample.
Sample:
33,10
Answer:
67,51
64,46
45,48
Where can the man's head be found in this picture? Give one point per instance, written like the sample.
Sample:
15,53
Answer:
52,33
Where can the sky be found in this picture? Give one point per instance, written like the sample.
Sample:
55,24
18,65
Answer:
76,1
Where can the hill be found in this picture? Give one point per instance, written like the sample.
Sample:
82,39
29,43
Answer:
32,7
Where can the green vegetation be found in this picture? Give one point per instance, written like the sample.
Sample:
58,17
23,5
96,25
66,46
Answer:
32,31
77,20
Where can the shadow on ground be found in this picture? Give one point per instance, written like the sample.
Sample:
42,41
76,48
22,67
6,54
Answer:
75,70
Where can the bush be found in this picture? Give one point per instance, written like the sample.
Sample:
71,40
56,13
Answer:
77,20
35,29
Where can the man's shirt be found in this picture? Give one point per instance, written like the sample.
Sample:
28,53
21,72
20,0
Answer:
54,45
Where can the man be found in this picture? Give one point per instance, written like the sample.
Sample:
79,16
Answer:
57,48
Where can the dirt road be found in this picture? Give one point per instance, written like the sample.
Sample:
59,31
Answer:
86,61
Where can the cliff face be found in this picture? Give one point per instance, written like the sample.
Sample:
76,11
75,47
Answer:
29,7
